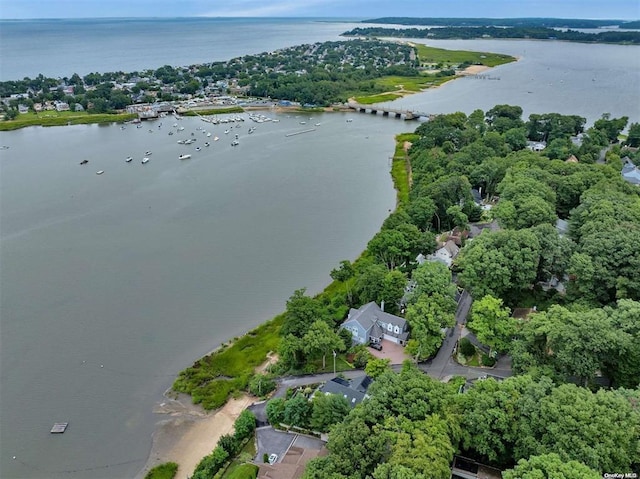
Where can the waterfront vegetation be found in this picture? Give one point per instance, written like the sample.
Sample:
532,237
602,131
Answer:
373,99
54,118
168,470
309,76
468,33
228,370
451,58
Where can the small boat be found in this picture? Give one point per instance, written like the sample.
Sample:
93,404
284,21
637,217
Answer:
198,148
129,159
317,124
184,157
235,143
147,153
349,120
181,142
237,136
99,172
303,122
251,130
170,133
215,138
208,135
181,128
207,144
84,162
145,160
226,132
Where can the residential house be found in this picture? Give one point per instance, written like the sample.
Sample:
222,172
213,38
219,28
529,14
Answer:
465,468
630,172
23,108
445,254
62,106
476,228
292,465
370,324
354,390
536,145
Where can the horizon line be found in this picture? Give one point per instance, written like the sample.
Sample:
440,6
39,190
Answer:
314,16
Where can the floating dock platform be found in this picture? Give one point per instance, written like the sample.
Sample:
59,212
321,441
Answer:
59,427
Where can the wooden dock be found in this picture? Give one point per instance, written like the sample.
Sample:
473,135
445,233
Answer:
300,132
59,427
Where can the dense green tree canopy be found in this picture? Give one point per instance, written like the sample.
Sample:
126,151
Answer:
550,466
498,263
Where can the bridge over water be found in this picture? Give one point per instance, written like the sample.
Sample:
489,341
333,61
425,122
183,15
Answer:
387,111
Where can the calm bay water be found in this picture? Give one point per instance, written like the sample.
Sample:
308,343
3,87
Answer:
110,284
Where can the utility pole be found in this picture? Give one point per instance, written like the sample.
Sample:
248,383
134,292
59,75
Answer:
334,363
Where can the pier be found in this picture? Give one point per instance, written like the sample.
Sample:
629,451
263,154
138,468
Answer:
387,111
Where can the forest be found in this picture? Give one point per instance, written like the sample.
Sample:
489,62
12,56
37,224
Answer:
519,32
506,22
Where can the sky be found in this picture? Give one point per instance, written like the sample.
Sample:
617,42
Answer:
362,9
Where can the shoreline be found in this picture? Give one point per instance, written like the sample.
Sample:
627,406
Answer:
189,433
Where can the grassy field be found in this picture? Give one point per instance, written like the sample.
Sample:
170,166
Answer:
410,84
455,57
400,169
61,118
225,372
370,100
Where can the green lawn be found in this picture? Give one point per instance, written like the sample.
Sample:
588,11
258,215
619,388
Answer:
455,57
245,471
214,378
239,469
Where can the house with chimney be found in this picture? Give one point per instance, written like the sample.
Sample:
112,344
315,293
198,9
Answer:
371,324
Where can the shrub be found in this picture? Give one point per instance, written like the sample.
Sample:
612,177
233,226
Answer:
229,443
466,348
275,411
260,385
488,360
244,425
168,470
210,464
361,357
265,458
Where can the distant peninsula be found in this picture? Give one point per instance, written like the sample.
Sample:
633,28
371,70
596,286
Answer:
508,22
524,28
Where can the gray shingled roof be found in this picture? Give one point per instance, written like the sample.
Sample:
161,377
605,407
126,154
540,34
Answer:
353,391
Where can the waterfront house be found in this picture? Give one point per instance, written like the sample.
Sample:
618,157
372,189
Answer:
370,324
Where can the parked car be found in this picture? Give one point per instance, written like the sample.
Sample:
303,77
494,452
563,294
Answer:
376,346
273,458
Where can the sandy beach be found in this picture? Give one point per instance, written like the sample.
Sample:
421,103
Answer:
189,433
475,70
